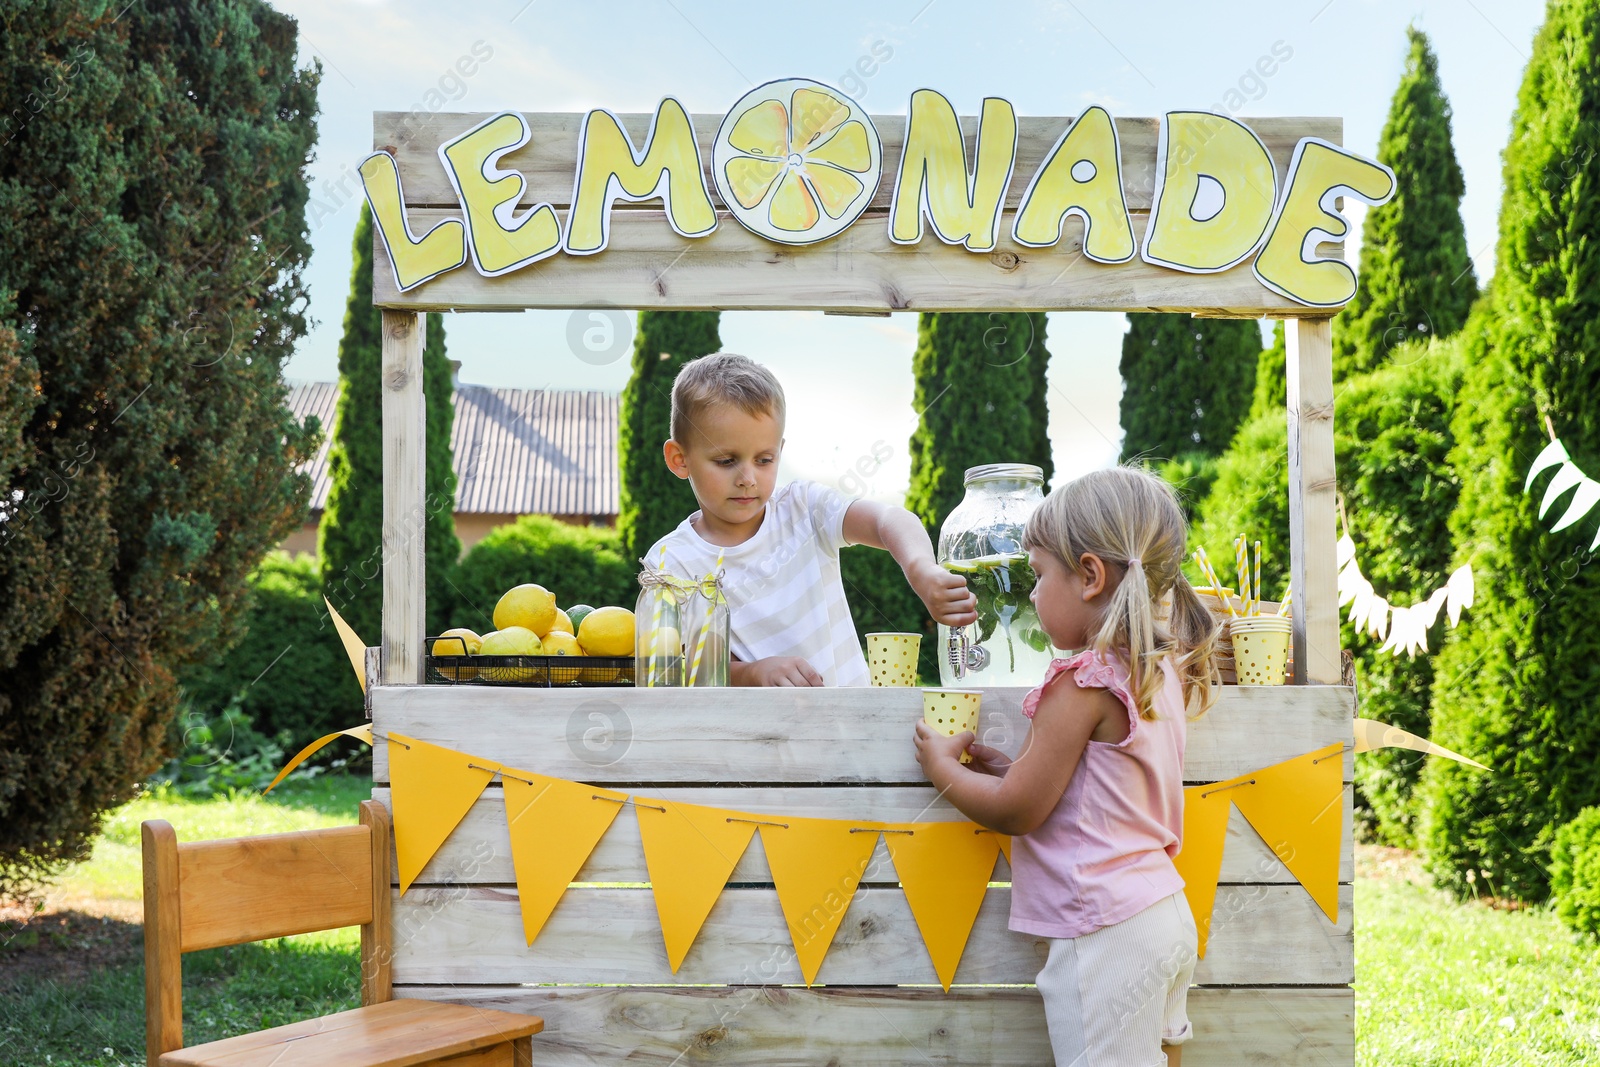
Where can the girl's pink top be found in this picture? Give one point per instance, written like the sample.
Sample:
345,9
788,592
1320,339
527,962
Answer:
1105,853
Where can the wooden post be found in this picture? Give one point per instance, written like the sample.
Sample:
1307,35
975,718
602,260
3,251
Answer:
163,958
404,498
1313,492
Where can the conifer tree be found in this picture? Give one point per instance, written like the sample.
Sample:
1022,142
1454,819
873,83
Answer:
1416,278
1517,688
654,500
1186,383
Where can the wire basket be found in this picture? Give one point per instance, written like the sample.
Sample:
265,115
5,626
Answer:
543,672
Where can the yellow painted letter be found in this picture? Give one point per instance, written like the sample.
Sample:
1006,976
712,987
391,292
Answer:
500,242
1215,190
414,260
964,206
608,168
1317,173
1081,176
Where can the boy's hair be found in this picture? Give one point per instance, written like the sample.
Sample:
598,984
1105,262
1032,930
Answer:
723,378
1130,518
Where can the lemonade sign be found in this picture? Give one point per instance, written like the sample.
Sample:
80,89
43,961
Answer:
797,163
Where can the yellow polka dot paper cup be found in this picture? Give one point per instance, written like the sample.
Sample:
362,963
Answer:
892,658
950,711
1261,648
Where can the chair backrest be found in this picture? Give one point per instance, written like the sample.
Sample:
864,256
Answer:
206,894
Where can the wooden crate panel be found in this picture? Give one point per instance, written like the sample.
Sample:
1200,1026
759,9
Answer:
750,736
479,851
548,159
648,265
773,1027
1260,935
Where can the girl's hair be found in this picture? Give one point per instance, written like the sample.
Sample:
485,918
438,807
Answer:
1130,518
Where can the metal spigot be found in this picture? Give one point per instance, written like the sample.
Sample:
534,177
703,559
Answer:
964,654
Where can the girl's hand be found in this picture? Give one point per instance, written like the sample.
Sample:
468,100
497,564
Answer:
934,748
989,760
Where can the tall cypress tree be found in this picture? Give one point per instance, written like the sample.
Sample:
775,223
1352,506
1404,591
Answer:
1416,276
152,242
350,536
1272,382
654,500
1186,383
1517,687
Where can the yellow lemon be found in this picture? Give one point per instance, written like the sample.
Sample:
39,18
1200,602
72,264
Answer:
796,161
510,641
607,632
563,624
529,606
561,643
457,641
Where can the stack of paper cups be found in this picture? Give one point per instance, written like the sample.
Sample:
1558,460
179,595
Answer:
1261,648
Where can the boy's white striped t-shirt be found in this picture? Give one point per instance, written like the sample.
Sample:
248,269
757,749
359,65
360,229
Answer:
785,593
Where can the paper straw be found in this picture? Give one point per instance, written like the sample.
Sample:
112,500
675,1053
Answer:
1211,576
705,631
1255,597
1283,609
655,626
1241,559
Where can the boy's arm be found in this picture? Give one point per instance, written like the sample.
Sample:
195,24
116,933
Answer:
949,601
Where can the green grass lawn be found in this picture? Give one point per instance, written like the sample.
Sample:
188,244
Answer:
1437,982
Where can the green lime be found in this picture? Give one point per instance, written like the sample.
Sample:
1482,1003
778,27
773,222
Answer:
576,614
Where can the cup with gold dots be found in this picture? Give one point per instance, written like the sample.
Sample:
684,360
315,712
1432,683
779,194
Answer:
892,658
951,711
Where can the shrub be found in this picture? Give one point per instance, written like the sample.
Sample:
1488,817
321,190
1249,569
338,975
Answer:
881,601
579,564
1575,873
289,674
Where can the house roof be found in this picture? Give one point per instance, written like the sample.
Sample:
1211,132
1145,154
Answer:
514,451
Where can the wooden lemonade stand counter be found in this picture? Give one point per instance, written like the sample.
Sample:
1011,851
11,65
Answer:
1274,986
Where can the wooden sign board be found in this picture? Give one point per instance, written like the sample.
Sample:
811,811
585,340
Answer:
647,263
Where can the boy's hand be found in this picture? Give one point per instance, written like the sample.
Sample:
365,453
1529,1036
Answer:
776,670
946,595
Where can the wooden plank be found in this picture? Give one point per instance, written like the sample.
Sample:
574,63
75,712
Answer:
647,265
404,497
1313,493
817,736
773,1027
163,956
249,888
377,936
479,850
1260,935
548,160
399,1033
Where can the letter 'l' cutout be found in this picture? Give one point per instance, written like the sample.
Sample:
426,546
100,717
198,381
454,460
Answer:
1318,173
414,260
1081,176
963,206
1215,191
499,241
609,169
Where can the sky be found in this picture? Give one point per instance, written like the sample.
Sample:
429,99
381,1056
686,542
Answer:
848,379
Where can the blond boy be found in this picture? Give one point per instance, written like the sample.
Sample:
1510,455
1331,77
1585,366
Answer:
780,548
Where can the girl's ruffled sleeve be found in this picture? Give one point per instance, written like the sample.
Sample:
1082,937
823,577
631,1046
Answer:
1091,672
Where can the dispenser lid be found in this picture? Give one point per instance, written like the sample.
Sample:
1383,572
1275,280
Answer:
1009,471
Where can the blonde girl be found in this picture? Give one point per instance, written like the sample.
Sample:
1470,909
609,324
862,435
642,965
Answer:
1094,802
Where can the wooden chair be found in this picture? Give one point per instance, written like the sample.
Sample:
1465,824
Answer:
212,893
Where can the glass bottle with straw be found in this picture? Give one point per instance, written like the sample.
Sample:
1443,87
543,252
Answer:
658,626
706,630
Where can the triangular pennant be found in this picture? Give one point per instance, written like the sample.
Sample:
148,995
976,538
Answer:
1199,861
690,851
354,647
816,865
1005,845
555,824
1567,476
1583,501
944,868
1297,807
1553,453
360,733
431,789
1371,734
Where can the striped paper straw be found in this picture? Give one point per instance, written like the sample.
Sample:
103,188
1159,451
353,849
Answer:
1288,595
655,626
705,630
1211,576
1241,559
1255,597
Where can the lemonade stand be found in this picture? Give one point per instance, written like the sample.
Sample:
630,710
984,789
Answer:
590,854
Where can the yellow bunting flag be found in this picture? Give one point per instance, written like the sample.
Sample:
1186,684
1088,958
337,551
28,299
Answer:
816,866
1005,845
432,788
944,869
1199,861
690,851
1297,807
354,647
555,824
1371,734
360,733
